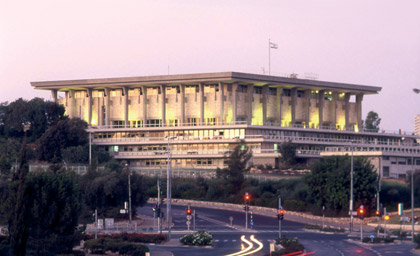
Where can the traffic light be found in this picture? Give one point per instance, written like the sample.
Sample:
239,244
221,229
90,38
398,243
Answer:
280,215
155,208
188,211
361,212
246,208
247,198
378,213
386,217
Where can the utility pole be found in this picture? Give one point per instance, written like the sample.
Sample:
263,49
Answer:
129,195
280,215
96,223
412,198
158,207
351,190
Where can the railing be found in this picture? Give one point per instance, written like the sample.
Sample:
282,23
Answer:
267,137
269,124
401,150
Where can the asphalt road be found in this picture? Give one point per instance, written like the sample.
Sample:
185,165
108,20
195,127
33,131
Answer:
227,238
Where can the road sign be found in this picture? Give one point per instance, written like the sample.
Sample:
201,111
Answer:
122,211
188,222
406,219
354,213
189,217
372,236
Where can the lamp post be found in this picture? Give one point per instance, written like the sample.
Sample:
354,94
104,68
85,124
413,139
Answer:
129,194
351,189
168,187
412,198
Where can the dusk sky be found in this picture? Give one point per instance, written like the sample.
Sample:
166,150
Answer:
365,42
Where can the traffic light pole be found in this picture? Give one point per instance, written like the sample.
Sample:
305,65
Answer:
361,230
158,207
246,215
279,218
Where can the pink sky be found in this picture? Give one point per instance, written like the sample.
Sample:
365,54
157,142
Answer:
374,42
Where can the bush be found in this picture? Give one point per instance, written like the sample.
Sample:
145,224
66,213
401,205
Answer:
95,246
116,245
198,238
378,240
417,240
132,237
290,245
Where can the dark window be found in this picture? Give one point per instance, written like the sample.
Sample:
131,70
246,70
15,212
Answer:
385,171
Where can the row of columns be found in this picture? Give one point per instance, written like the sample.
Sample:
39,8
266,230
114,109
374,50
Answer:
235,86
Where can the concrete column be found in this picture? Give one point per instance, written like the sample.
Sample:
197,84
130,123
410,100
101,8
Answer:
71,103
182,102
359,99
334,109
279,103
201,97
250,95
307,107
222,101
163,103
90,102
107,106
234,101
264,103
54,95
347,109
144,103
321,107
294,99
125,92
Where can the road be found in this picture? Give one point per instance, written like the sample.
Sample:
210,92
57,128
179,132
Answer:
227,239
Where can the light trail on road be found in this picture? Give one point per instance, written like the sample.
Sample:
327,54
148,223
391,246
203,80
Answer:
250,246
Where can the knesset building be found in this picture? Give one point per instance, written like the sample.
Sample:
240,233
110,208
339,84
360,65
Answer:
209,114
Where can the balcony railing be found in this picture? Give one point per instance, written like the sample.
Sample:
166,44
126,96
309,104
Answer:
275,138
269,124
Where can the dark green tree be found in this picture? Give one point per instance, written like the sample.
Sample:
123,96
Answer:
9,154
233,174
66,133
54,211
287,152
372,121
17,207
329,182
107,190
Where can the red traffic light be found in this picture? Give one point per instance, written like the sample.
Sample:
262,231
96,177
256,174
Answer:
247,197
188,211
361,212
281,211
378,213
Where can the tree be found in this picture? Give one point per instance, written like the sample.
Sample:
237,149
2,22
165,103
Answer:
233,174
329,182
287,151
107,189
372,121
66,133
54,211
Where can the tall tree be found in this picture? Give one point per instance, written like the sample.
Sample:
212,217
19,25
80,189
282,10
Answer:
233,174
66,133
372,121
329,182
287,152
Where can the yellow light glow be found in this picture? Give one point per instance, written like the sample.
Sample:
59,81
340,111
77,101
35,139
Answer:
341,123
356,128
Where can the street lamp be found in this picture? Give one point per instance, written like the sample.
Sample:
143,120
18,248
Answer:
168,187
351,189
129,194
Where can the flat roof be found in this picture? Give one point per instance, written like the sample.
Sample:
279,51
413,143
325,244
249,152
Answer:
225,77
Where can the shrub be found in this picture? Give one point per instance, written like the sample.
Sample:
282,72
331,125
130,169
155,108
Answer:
417,240
132,237
290,245
95,246
197,238
116,245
